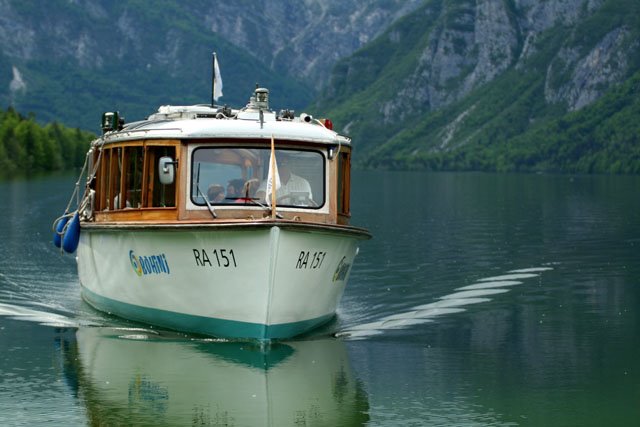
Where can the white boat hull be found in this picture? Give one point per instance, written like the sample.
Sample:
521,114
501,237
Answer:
258,281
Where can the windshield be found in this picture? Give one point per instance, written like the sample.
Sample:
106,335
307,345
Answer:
231,176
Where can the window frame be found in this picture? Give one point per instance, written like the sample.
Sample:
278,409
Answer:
194,205
114,168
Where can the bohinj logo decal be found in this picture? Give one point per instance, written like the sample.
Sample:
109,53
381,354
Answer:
342,270
151,264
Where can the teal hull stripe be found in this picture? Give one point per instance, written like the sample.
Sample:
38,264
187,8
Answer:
200,324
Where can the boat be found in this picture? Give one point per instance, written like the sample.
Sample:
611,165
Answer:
231,223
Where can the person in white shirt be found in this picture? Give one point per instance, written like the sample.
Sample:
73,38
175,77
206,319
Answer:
293,190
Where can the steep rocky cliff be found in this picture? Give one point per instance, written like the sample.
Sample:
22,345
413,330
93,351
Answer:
468,44
304,38
457,74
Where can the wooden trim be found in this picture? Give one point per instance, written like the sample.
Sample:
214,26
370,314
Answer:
244,214
144,190
103,181
344,219
344,163
136,143
231,224
183,180
143,214
332,171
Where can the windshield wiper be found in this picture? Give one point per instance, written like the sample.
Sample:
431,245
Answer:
201,194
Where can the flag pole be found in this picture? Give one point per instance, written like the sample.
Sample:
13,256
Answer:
273,179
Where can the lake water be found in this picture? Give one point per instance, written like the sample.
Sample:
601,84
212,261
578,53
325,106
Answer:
488,300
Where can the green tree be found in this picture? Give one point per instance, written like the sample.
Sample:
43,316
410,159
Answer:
26,147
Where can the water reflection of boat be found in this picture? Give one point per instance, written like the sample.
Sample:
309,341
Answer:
125,377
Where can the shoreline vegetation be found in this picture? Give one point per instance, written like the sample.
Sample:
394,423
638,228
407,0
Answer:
603,138
28,148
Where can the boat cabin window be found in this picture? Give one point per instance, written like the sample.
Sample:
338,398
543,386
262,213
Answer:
132,171
157,194
232,176
132,179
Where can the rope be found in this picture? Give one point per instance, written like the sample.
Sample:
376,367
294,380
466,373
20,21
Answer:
80,202
60,218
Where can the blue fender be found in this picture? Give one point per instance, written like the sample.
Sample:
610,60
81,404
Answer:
57,235
72,235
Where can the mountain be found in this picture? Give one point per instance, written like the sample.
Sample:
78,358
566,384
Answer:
496,85
304,39
71,60
501,85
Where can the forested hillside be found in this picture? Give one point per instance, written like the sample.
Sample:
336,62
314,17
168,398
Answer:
497,85
601,138
27,148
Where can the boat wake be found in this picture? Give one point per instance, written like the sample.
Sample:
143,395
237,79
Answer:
17,305
26,297
69,320
477,293
47,318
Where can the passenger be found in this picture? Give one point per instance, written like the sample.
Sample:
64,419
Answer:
234,189
293,190
215,193
248,191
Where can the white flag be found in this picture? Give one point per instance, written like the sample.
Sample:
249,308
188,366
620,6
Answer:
217,79
272,186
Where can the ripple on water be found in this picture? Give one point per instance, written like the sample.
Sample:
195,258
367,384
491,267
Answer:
449,304
487,285
47,317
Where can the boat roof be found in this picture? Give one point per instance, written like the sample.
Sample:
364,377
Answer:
207,122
